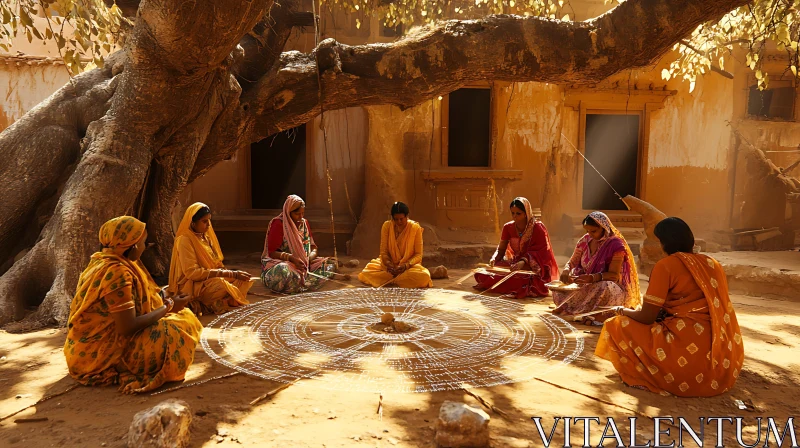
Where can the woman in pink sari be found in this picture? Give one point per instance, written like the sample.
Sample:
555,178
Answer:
524,246
289,262
603,265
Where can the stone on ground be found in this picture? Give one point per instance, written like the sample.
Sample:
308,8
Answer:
165,425
462,426
439,272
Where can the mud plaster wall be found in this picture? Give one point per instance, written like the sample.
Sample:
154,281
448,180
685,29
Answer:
226,187
405,149
688,155
687,165
23,87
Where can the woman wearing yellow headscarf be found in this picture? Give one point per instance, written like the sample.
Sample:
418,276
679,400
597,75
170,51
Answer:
121,330
401,254
197,270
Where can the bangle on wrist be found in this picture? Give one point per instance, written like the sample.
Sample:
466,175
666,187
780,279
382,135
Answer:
169,304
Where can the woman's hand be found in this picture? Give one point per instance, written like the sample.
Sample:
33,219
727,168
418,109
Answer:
584,279
401,268
518,266
241,275
312,256
297,262
491,263
181,300
565,277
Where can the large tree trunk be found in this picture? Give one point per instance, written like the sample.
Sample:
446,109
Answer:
195,83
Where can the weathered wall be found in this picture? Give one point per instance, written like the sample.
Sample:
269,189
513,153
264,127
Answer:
689,154
24,86
687,167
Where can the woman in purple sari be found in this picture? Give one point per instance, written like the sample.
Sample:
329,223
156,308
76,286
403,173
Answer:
603,265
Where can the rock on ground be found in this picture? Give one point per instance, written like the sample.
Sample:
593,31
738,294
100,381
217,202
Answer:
462,426
166,425
438,272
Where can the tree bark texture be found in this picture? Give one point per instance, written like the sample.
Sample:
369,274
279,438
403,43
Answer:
197,81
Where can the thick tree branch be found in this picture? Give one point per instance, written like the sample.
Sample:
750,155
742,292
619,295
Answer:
260,50
446,56
263,45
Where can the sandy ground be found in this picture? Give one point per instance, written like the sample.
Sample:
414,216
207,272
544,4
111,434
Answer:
33,367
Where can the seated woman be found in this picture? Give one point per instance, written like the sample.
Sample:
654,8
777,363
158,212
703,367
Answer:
524,246
401,254
685,340
604,265
121,330
289,262
197,270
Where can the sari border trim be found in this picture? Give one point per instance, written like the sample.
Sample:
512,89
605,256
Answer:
653,300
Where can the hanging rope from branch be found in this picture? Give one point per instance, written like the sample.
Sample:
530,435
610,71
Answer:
322,126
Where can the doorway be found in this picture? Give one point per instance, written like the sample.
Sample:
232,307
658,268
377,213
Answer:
278,168
612,144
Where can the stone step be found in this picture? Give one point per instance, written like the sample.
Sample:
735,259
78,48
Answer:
458,255
258,220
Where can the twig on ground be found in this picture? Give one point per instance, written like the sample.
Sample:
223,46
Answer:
41,400
273,392
196,383
639,413
31,420
486,404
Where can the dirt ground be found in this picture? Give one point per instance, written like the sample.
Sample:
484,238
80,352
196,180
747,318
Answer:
33,367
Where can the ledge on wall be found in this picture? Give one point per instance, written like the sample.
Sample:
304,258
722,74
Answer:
458,174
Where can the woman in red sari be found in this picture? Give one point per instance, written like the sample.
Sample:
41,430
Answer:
524,246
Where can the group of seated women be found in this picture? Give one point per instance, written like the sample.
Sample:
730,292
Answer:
683,339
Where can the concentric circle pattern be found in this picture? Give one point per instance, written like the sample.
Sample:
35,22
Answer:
457,340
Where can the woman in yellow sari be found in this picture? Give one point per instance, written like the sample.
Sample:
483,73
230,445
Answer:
685,340
121,330
401,254
197,270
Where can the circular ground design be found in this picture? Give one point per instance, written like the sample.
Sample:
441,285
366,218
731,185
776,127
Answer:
457,339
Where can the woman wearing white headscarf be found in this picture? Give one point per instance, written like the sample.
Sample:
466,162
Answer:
289,261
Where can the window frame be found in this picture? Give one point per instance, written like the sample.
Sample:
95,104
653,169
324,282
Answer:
641,161
445,128
773,78
644,102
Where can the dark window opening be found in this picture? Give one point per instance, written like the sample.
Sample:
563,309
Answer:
775,102
612,145
469,133
278,168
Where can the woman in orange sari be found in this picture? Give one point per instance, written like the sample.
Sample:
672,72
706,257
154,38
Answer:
121,330
197,270
401,254
685,340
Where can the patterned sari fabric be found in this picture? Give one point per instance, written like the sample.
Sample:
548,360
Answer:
405,248
283,235
193,258
624,292
96,353
697,349
533,246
